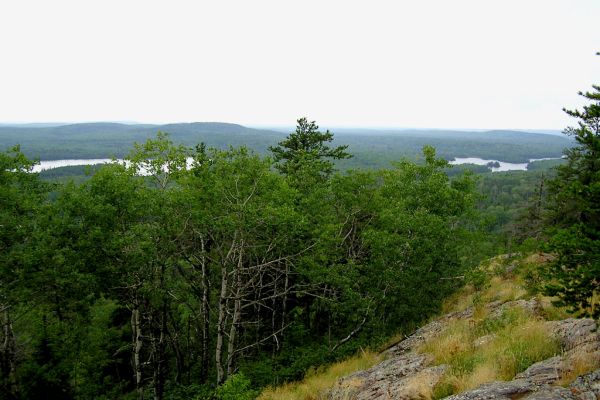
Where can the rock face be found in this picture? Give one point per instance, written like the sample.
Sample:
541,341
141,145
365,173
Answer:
406,374
585,387
399,377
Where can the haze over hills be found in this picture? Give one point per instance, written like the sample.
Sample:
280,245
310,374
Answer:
371,147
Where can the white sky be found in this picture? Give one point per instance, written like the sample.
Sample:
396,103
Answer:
444,64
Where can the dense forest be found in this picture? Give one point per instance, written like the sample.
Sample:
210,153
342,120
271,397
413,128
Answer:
160,278
172,281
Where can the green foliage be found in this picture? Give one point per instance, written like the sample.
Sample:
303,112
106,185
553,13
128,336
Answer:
417,230
512,209
166,277
22,196
237,387
219,270
304,154
77,173
158,158
545,165
575,215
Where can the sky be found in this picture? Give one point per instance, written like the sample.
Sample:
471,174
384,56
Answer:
476,64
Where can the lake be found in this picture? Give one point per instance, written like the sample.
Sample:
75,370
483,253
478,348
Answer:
503,166
51,164
44,165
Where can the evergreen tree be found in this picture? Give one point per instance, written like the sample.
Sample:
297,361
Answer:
575,214
305,151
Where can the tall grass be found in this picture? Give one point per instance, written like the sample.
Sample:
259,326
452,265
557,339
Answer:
580,362
495,288
488,349
317,382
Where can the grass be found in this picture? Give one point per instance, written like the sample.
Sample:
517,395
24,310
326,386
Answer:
317,382
580,362
488,348
491,282
496,288
550,312
485,349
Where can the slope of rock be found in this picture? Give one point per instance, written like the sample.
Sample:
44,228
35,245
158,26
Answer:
409,374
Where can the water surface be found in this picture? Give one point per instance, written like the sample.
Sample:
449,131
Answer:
503,166
50,164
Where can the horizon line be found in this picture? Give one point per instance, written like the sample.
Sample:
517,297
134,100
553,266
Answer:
275,126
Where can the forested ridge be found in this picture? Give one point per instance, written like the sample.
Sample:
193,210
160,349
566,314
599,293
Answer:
160,278
371,148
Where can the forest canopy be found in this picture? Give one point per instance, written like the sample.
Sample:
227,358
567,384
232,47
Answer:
174,280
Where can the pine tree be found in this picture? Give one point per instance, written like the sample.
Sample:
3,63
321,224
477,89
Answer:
306,150
575,214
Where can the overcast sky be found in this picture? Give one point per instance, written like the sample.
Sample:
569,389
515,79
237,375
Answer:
440,64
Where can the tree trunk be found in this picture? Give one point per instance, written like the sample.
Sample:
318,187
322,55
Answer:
286,286
136,335
204,359
237,309
159,356
8,355
221,325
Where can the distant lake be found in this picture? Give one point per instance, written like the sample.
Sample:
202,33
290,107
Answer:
44,165
503,166
51,164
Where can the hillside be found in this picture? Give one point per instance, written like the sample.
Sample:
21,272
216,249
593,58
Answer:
498,339
104,140
371,148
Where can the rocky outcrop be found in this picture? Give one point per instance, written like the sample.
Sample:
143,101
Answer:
402,377
406,374
543,372
576,334
586,387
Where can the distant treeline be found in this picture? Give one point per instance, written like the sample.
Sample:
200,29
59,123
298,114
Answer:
371,149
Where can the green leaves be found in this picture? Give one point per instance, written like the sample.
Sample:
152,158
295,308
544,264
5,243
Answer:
159,158
574,216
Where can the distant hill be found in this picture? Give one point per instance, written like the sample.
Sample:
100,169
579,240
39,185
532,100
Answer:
100,140
371,147
375,146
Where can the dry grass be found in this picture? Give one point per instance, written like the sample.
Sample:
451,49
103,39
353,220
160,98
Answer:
316,383
419,386
493,283
459,301
498,288
550,312
514,341
580,362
